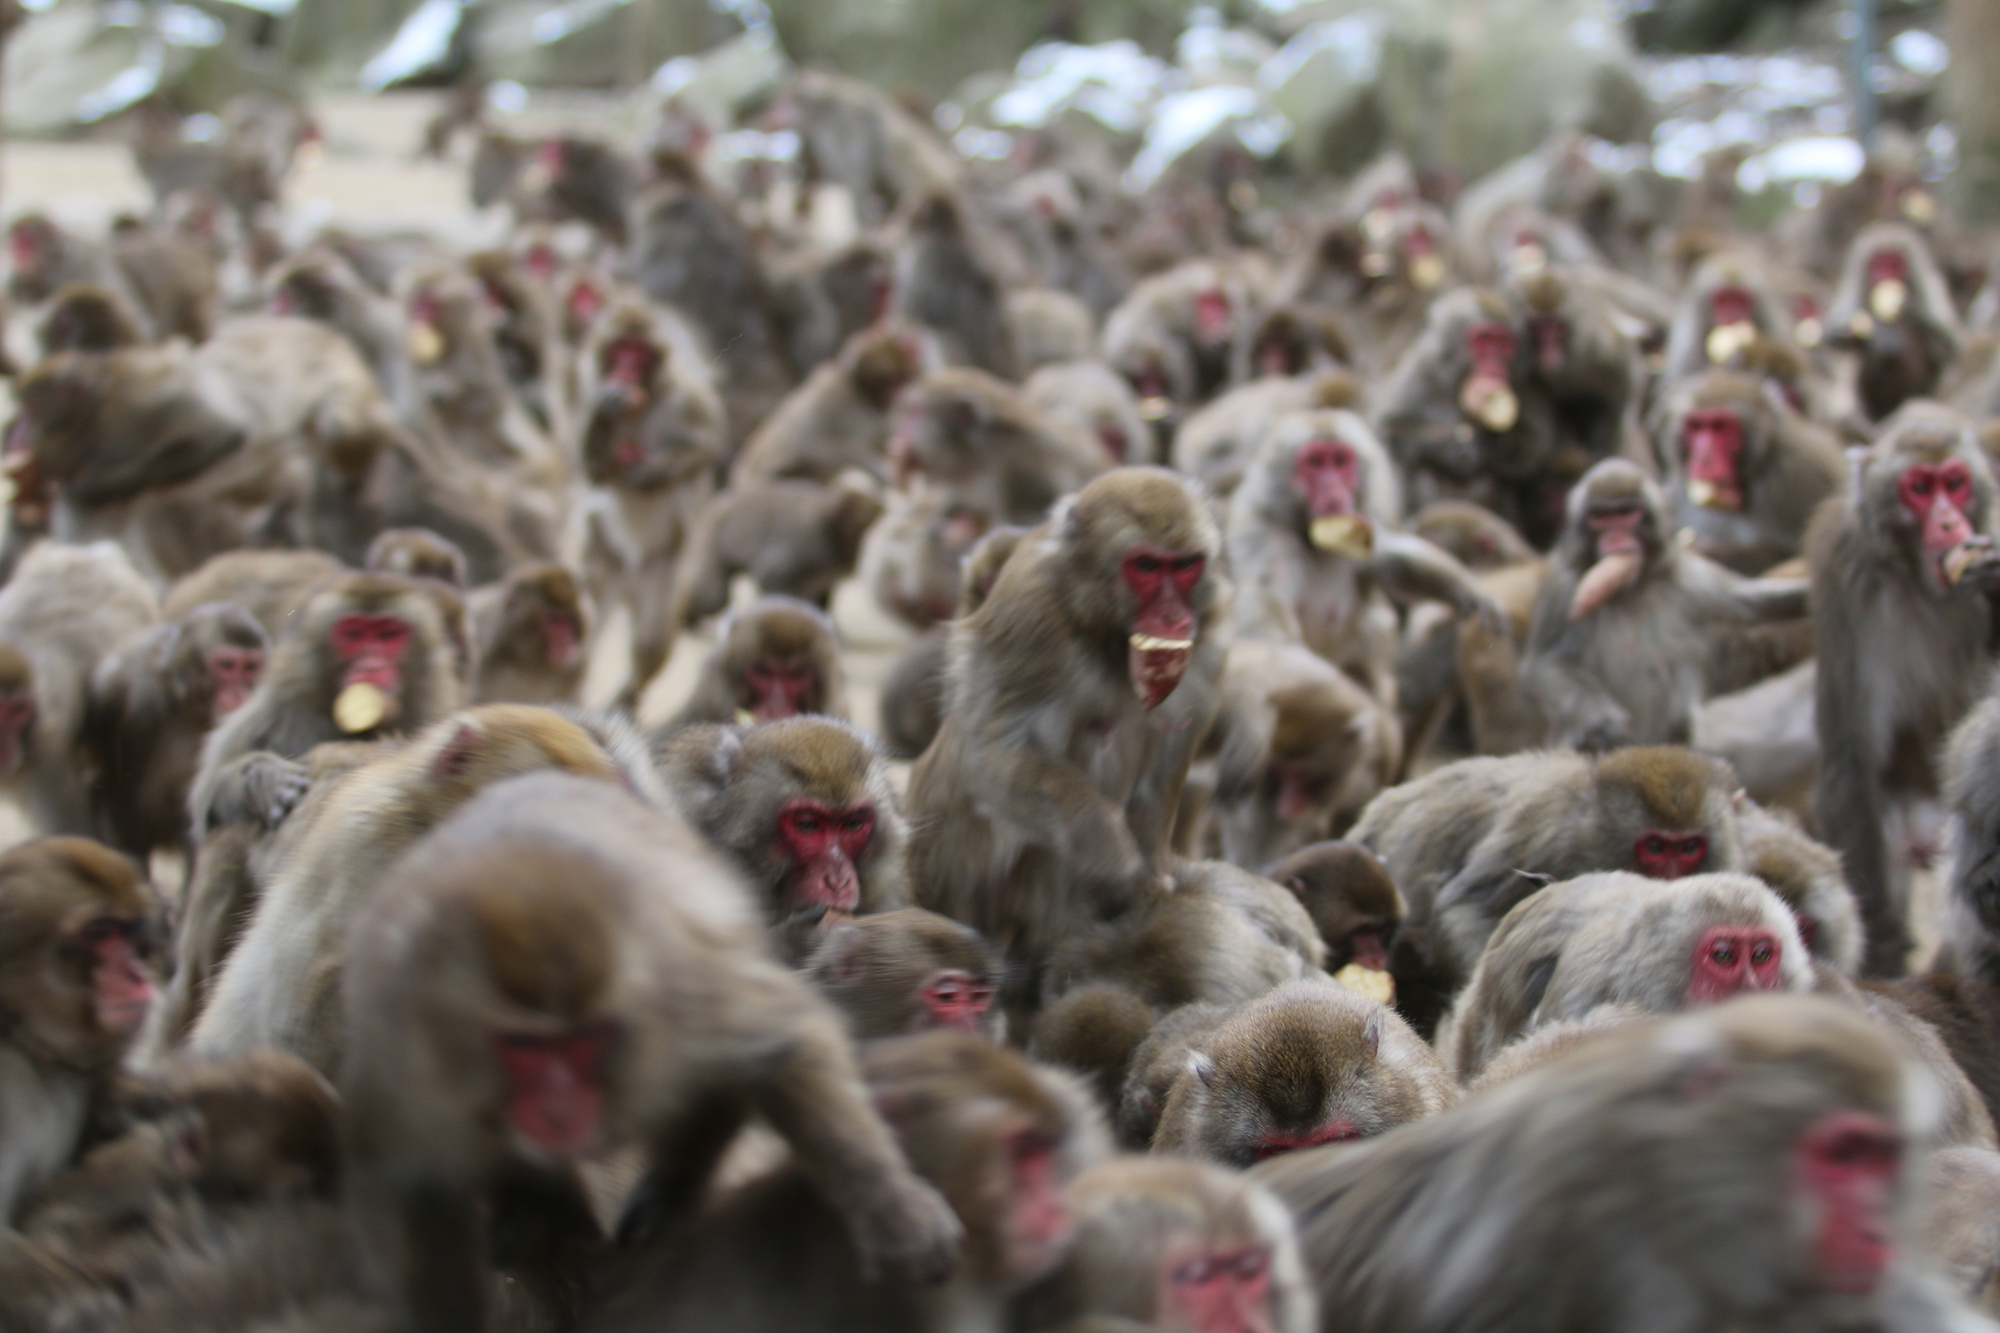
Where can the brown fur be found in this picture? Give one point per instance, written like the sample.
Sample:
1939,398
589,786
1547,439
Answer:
776,631
1347,891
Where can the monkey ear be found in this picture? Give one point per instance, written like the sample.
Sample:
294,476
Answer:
1371,1035
459,750
1202,1068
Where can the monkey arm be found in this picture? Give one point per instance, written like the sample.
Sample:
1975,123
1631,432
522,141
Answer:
1848,796
1722,592
259,788
1412,569
1053,802
1579,706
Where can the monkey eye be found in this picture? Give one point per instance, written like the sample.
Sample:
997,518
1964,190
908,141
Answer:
102,931
1954,481
1692,847
1186,563
1146,564
1195,1272
1250,1265
1655,845
855,823
1920,485
1760,954
1723,952
806,823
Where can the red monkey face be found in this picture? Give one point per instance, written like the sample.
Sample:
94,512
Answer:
1731,304
560,635
1214,321
1370,948
1219,1291
555,1088
956,999
121,991
1486,396
1712,443
1940,495
1328,474
779,687
1848,1167
1730,960
1162,635
232,674
825,843
1661,854
370,649
1039,1224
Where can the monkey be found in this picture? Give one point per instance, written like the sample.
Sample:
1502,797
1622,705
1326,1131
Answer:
1289,340
1351,899
1466,842
1000,1138
775,659
1745,472
1381,267
1903,622
1039,807
977,440
1298,750
796,538
273,586
79,939
1893,310
1308,1064
908,970
1585,361
823,298
563,970
839,418
1312,544
1616,938
65,611
524,333
912,559
164,281
1088,393
1616,653
85,317
1961,1198
1464,418
151,704
574,177
244,164
1172,336
1477,538
1214,444
1047,327
804,809
912,698
861,138
1165,1243
1806,874
320,283
1727,1126
945,284
416,553
279,986
655,435
1727,302
528,633
689,251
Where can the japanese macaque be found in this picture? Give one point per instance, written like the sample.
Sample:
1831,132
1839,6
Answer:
1957,1224
273,586
528,632
1477,538
824,298
908,970
280,985
1467,841
1902,570
1049,795
1750,1158
1192,313
804,808
1163,1243
525,332
1288,341
1727,304
1047,327
775,659
1316,556
1892,308
1745,471
369,658
65,611
653,440
865,141
417,553
167,282
797,538
84,317
79,928
1216,442
977,440
1310,1063
1586,361
1380,270
838,418
912,698
945,285
1299,749
571,177
559,971
152,704
1617,652
1352,901
1000,1138
1088,393
913,557
1463,417
1649,946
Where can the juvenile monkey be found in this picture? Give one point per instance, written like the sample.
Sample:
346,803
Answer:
559,971
1644,945
1187,318
796,538
977,440
778,658
838,418
1616,652
1468,841
908,970
1088,393
1308,1064
528,633
1892,308
912,560
1350,897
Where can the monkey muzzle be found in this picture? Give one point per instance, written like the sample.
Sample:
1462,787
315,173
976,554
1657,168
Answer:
1159,646
1619,555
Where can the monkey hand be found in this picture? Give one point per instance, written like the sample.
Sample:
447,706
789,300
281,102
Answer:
906,1232
1485,612
259,788
1600,729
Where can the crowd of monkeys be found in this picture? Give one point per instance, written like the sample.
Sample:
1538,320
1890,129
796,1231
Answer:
1423,723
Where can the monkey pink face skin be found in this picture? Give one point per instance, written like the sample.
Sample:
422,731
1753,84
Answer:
1730,960
779,687
555,1088
371,649
122,992
1369,948
1301,794
957,1000
1328,474
17,714
1039,1223
1551,341
1940,495
1214,321
232,674
1337,1130
1217,1291
1888,266
1162,634
823,844
631,362
1848,1166
1731,304
560,633
1712,442
1663,854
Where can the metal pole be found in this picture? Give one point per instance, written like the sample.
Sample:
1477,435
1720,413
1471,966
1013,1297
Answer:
1860,60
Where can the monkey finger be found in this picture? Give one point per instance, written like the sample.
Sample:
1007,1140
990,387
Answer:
910,1234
